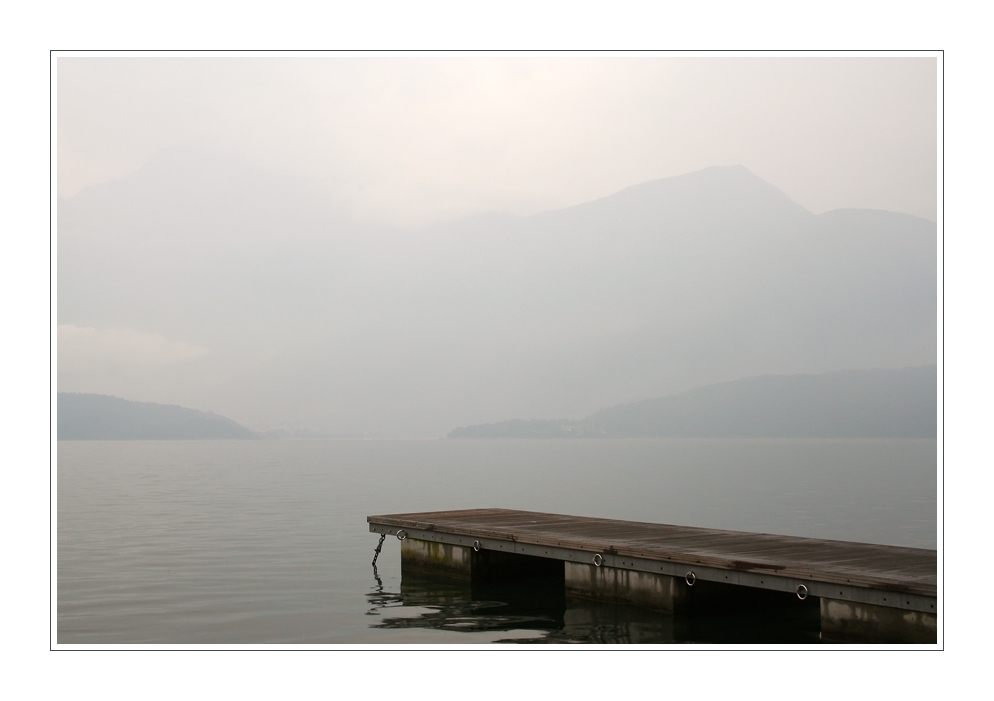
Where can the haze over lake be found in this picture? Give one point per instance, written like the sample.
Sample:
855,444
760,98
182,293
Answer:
708,277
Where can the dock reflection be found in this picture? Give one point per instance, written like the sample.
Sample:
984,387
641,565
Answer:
541,612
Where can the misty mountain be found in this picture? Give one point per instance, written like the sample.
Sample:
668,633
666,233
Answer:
99,417
848,404
308,319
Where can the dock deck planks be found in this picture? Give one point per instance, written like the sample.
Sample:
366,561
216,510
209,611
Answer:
863,565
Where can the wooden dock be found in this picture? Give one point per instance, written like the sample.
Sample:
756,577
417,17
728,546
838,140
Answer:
856,578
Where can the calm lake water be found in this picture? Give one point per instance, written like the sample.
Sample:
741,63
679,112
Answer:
265,542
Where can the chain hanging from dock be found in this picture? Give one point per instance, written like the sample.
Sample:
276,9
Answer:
379,546
376,554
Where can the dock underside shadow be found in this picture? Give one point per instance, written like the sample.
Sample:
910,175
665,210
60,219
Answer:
602,604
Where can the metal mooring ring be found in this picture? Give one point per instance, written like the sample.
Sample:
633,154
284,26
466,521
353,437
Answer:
802,592
401,535
476,545
598,560
691,578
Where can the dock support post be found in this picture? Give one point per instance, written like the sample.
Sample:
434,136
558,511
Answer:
484,566
436,558
658,592
850,622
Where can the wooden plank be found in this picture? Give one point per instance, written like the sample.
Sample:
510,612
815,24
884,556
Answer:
868,565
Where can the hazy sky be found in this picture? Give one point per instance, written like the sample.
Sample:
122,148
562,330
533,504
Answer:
407,140
218,266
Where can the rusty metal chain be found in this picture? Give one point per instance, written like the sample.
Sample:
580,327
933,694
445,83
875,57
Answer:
376,554
379,546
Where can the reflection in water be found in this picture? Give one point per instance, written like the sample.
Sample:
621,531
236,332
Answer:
540,612
450,604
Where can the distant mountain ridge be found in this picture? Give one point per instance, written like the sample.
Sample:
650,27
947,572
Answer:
101,417
664,286
846,404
